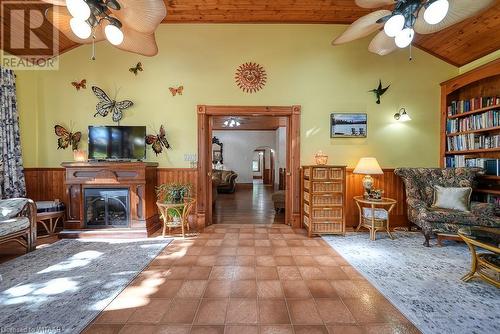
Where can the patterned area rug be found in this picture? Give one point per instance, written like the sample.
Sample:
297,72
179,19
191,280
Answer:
63,287
424,283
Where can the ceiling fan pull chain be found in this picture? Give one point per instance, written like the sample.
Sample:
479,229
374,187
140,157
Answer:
93,47
411,53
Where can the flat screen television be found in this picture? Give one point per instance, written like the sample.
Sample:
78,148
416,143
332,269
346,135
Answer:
117,142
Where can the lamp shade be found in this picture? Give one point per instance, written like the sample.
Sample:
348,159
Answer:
368,166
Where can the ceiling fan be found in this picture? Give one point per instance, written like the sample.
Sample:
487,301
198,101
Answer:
399,25
127,24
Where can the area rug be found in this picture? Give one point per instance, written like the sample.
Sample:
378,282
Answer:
424,283
63,287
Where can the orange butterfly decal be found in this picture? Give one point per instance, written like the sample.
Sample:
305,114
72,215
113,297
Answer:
176,91
81,84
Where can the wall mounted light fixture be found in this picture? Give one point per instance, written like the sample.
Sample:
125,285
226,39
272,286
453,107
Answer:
402,115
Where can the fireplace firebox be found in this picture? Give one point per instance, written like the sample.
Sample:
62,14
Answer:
106,207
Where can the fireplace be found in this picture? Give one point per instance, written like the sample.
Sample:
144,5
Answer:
106,207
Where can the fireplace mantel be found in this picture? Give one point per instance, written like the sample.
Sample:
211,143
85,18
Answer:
138,177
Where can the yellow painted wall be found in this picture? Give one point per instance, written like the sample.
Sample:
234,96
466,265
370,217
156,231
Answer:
302,69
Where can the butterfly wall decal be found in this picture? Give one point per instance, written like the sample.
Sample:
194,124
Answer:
158,141
67,138
106,105
177,90
138,68
79,85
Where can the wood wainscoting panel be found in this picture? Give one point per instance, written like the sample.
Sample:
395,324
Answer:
48,184
393,187
45,184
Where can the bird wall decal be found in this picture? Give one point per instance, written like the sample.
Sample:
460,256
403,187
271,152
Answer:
379,91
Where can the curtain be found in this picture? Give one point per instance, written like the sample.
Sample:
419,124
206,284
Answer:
12,175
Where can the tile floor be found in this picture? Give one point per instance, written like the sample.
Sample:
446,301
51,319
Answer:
247,279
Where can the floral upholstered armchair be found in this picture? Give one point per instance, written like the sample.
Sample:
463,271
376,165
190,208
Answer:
420,184
18,222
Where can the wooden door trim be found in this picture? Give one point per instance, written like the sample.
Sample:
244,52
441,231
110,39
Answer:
292,113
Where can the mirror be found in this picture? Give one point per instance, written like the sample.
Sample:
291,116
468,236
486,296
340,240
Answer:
217,156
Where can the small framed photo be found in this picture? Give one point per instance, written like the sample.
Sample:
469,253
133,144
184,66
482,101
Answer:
348,125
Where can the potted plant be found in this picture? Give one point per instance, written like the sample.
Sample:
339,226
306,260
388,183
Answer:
173,193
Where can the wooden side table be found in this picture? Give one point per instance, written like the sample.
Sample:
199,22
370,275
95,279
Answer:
373,215
182,210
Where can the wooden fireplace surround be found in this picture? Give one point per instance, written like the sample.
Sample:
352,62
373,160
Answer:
140,178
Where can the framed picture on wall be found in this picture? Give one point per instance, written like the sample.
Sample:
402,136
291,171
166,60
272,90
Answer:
348,125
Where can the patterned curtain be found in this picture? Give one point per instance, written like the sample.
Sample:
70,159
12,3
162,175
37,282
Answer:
12,175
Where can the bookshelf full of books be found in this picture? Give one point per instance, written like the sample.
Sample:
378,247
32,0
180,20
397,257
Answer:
470,126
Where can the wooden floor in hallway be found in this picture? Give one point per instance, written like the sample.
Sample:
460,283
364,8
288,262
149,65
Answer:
250,279
249,204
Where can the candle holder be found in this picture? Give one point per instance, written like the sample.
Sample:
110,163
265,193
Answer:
80,155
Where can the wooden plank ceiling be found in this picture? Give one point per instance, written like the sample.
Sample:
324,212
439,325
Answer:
250,122
458,45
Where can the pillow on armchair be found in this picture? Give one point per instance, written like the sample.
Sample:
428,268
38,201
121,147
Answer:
452,198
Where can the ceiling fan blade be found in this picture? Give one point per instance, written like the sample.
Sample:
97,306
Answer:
141,15
382,44
138,42
459,10
362,27
374,3
60,17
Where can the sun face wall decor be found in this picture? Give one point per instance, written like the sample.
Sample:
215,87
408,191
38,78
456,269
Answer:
251,77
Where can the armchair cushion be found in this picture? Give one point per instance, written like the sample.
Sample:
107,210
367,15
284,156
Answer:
13,225
10,208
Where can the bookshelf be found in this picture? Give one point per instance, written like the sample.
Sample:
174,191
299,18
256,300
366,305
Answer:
470,126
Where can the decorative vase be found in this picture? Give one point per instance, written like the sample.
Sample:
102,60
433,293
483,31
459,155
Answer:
320,158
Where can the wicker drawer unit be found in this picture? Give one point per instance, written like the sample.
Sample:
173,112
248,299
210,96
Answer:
323,199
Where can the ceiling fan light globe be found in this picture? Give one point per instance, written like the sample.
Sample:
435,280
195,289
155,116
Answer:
79,9
114,34
80,28
394,25
436,11
404,37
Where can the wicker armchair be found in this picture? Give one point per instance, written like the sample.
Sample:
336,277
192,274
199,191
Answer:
18,222
420,183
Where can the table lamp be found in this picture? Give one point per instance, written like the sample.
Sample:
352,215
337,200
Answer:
368,167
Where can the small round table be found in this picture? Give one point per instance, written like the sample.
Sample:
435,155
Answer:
182,211
372,217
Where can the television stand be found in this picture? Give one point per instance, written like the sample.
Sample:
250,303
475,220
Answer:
138,178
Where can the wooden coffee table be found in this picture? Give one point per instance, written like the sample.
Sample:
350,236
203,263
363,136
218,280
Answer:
486,265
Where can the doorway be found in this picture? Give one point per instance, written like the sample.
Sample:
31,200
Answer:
291,124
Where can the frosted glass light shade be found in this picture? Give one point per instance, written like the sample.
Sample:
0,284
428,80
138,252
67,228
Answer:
404,37
436,12
113,34
78,9
80,28
368,166
394,25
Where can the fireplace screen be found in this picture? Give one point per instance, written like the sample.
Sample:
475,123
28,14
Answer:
106,208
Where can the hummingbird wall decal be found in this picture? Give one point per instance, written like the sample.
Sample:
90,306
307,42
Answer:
379,91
